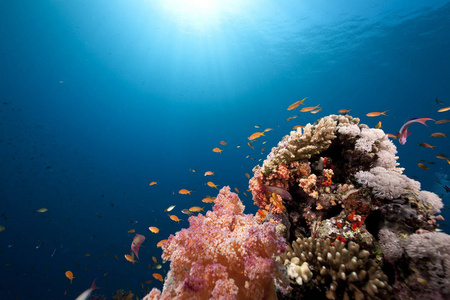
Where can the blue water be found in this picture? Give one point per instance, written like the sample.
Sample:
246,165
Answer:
99,98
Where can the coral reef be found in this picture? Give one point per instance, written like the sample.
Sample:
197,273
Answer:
340,191
343,272
223,255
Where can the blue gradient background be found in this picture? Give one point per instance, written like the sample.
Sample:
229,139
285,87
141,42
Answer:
99,98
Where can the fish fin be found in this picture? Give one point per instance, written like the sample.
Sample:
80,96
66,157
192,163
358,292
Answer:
93,286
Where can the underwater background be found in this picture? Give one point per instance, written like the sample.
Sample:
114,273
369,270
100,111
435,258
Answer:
100,98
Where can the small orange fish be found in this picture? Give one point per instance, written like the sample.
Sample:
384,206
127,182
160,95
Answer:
130,258
378,126
263,213
444,109
132,231
263,148
441,121
130,295
251,146
247,175
298,126
426,145
422,166
154,229
42,210
296,104
209,173
316,111
87,254
256,135
344,111
377,113
208,199
438,134
196,208
291,118
184,192
442,156
152,183
175,218
392,136
149,281
236,189
159,244
116,257
223,143
309,108
211,184
69,275
217,150
267,129
158,277
154,259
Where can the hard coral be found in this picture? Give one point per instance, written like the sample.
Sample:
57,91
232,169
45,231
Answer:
224,254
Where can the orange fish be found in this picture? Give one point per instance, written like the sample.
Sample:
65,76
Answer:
154,259
196,208
291,118
175,218
136,244
208,199
209,173
256,135
344,111
310,108
378,126
130,295
158,277
444,109
236,189
296,104
223,143
184,192
250,145
422,166
154,229
442,156
152,183
217,150
438,134
267,129
377,113
426,145
131,231
442,121
130,258
159,244
298,126
69,275
392,136
211,184
316,111
247,175
263,213
87,254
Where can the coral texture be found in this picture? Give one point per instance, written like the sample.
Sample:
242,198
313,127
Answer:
346,188
223,255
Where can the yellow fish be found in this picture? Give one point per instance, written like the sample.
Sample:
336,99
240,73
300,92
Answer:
211,184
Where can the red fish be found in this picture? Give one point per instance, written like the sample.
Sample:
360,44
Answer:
403,133
136,244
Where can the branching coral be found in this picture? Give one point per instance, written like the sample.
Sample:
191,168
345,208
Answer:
338,271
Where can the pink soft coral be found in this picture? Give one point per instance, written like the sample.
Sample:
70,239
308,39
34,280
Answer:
224,255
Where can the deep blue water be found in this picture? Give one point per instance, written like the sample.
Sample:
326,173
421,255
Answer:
99,98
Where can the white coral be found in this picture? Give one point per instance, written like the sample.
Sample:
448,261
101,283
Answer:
431,198
387,184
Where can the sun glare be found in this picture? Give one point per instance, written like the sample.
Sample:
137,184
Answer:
199,14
